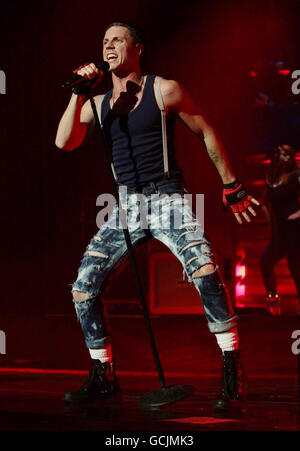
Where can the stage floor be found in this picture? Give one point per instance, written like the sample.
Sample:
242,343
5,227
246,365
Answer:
31,391
33,402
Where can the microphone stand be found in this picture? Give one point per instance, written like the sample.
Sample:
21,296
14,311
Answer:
165,394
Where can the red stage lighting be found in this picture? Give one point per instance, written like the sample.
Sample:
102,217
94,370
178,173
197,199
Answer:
240,288
284,72
240,271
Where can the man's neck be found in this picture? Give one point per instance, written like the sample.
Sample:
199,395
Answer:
120,80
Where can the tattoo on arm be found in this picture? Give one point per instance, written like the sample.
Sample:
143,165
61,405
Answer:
213,155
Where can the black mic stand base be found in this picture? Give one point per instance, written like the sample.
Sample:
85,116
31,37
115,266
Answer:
165,395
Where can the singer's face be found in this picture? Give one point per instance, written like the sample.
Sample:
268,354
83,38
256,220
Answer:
119,49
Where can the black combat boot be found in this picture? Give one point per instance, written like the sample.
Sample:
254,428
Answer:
233,381
102,383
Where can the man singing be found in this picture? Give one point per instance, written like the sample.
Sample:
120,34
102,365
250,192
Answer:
138,116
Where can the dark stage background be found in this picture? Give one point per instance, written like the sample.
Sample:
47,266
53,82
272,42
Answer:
208,46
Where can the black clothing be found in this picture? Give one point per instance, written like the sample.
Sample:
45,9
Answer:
285,241
136,143
284,197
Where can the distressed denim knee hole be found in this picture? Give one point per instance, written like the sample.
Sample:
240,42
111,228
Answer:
79,294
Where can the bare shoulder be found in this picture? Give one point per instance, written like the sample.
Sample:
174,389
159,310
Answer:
87,114
170,87
173,93
98,98
177,98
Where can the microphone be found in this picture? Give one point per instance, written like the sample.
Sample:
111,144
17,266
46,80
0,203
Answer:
78,79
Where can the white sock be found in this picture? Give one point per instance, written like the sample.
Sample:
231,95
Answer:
103,354
228,341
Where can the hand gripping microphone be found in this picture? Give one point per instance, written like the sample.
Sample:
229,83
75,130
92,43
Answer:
78,79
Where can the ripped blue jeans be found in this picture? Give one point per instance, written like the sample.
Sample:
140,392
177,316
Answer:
161,211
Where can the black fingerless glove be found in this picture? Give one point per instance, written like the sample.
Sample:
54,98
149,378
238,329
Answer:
235,196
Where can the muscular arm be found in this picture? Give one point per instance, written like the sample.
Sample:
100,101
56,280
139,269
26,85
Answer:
74,124
178,100
78,117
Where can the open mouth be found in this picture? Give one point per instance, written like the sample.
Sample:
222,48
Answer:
111,57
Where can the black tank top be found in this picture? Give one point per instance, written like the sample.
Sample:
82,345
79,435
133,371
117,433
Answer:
136,140
284,197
